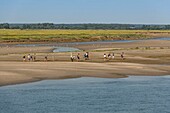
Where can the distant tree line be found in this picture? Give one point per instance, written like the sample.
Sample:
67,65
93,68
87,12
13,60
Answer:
85,26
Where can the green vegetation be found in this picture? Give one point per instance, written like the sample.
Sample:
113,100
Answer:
16,35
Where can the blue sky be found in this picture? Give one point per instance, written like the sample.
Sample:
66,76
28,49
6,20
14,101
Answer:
85,11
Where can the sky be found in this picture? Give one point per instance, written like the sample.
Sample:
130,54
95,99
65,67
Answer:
85,11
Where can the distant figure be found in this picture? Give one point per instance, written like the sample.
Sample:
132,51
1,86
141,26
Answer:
24,58
78,56
105,57
113,56
46,58
109,56
29,57
122,55
72,57
34,58
86,56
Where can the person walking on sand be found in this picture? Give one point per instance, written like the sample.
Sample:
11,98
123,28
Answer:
122,55
86,56
78,57
24,58
113,56
46,58
109,56
29,57
105,57
71,57
34,57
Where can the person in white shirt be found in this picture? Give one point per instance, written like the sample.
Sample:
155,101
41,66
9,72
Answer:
29,57
105,57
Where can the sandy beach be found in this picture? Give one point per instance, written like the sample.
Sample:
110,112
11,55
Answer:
144,58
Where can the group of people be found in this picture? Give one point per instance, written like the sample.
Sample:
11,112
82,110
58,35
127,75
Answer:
29,57
32,58
109,56
112,56
86,56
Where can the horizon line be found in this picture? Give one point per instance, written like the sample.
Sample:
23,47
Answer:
84,23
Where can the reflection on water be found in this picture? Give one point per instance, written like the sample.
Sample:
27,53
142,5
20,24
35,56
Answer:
89,95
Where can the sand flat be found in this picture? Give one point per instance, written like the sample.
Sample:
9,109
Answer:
19,72
138,61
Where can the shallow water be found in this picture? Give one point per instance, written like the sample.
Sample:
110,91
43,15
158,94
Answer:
164,38
89,95
92,42
65,49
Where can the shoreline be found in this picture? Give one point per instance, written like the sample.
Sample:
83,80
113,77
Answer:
38,80
19,73
33,81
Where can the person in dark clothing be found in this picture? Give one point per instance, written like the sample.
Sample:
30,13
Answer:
34,58
78,56
86,56
109,56
122,55
46,58
31,58
24,58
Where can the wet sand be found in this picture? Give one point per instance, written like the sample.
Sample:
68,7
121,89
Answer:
149,58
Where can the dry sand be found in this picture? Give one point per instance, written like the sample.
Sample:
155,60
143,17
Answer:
139,60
